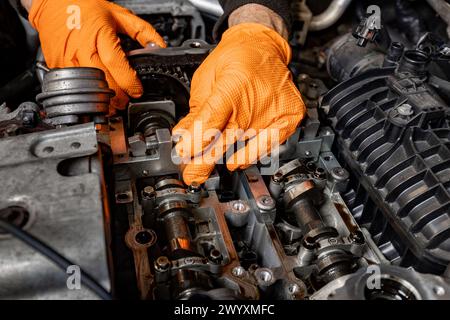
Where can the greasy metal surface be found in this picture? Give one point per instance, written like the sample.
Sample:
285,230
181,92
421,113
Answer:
175,8
117,137
158,164
247,289
191,53
414,286
65,207
140,250
262,236
330,16
70,93
25,119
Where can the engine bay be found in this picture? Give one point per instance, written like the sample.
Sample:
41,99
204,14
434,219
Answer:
355,206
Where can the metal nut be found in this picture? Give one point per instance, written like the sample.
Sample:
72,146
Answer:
265,202
238,272
162,263
148,192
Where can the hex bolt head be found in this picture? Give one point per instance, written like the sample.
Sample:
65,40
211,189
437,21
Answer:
339,174
277,177
215,256
238,272
265,202
239,206
162,263
264,276
405,110
439,291
332,241
194,187
293,288
148,192
26,119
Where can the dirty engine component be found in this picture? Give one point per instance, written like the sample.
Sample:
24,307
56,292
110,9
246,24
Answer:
354,205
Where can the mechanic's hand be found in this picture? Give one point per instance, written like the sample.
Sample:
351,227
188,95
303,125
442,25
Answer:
242,87
76,33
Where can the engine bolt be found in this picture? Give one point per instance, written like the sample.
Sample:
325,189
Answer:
239,206
215,256
339,174
148,192
162,263
238,272
265,202
277,177
332,241
438,290
194,187
303,77
405,110
293,288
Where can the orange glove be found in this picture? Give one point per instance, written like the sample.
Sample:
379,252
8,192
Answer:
242,87
76,33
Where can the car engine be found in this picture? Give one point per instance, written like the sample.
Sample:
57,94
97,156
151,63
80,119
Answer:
356,205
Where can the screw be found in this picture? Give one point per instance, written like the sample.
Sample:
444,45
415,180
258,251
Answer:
308,153
265,202
405,110
239,206
148,192
162,263
26,120
145,172
238,272
264,276
303,77
438,290
293,288
277,177
339,174
194,187
215,256
332,241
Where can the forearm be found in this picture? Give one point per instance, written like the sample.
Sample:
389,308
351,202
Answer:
275,14
257,13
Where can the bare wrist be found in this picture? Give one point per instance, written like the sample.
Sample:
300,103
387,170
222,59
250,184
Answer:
257,13
26,4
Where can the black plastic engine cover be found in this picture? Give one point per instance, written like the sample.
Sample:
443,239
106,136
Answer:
393,134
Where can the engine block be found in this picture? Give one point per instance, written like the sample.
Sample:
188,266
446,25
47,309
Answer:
362,194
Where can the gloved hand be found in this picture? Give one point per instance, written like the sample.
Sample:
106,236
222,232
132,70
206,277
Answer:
242,87
76,33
